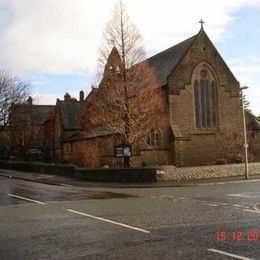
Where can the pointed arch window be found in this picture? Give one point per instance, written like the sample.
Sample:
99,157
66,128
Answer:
153,138
205,96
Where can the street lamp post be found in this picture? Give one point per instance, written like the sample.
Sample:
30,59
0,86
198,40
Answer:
245,136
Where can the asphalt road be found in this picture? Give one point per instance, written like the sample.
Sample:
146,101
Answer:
40,221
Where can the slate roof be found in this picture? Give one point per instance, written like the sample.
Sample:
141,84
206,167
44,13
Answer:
80,135
42,113
70,112
253,121
166,61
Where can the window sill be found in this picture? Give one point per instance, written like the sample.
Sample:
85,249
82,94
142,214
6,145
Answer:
205,131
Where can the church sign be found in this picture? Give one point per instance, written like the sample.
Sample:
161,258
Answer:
123,150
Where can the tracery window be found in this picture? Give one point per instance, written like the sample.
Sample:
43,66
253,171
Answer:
205,95
153,138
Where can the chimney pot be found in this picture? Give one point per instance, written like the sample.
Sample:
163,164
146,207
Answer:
30,101
67,97
81,96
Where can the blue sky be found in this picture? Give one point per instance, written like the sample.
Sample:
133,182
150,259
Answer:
53,43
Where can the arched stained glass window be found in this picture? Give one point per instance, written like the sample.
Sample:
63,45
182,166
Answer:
205,96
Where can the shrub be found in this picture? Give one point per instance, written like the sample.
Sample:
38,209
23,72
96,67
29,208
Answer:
221,161
144,164
4,150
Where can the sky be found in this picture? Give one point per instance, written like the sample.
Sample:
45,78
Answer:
52,44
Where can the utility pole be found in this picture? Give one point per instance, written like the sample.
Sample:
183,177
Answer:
245,135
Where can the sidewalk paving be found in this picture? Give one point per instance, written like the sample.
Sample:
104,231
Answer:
66,181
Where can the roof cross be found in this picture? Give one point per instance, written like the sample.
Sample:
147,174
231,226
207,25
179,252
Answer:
201,23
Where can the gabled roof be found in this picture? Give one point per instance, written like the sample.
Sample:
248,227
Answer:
41,113
252,121
166,61
100,131
70,113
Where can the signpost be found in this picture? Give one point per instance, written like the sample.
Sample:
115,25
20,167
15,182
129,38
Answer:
123,150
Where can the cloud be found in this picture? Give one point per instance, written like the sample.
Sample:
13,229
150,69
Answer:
63,36
59,37
247,71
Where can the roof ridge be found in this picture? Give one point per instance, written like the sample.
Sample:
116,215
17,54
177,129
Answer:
171,48
35,105
253,115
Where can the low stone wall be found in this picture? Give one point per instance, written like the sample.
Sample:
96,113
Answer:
102,174
191,173
136,174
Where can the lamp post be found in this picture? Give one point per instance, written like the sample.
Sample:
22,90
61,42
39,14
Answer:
245,136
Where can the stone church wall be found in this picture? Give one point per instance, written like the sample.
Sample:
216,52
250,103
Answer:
199,146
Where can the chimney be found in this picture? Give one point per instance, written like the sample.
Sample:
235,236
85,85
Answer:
67,97
30,101
81,96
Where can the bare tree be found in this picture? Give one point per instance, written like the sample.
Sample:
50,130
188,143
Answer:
122,34
128,101
22,129
12,91
87,153
246,103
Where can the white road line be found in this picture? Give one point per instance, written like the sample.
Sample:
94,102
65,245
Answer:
167,197
250,210
245,195
23,198
240,195
212,205
255,206
109,221
228,254
66,185
214,183
238,206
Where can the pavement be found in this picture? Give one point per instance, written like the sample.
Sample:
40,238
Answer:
73,219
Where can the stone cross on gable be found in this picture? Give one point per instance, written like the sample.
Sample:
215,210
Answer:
201,23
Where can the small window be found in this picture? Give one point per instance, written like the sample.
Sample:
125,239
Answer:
153,138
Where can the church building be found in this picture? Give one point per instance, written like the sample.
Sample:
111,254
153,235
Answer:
204,116
203,109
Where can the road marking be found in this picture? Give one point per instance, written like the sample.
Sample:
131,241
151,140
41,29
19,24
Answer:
109,221
167,197
214,183
255,206
213,205
228,254
238,206
23,198
250,210
66,185
244,195
240,195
